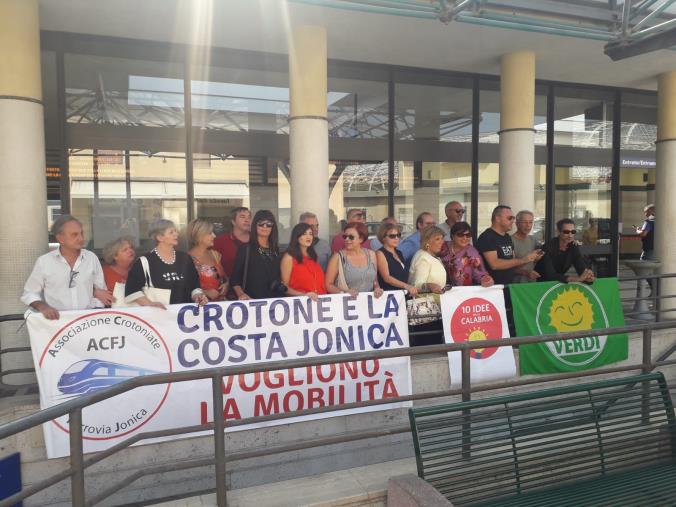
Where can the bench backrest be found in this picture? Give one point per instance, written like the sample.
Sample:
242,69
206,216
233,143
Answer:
496,447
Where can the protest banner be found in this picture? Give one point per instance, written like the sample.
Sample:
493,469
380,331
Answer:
552,307
85,351
475,314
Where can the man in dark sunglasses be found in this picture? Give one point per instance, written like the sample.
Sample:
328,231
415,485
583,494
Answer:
561,253
454,212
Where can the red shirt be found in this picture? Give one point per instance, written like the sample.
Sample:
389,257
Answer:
227,245
112,277
307,276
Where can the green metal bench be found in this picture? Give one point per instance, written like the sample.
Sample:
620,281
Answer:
603,443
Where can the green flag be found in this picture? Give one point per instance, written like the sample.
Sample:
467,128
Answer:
551,308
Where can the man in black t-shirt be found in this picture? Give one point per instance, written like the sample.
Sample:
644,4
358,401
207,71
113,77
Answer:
497,249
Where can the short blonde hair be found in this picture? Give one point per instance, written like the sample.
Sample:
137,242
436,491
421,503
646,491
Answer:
428,233
111,248
198,228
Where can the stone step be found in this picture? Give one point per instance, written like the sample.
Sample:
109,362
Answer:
355,487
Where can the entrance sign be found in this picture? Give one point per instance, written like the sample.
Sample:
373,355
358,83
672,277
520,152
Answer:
551,307
86,351
475,314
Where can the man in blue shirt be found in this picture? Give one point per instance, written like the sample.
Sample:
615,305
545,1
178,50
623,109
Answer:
411,244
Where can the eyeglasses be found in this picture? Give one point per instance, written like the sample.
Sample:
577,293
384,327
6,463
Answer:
71,282
568,231
394,235
464,234
459,210
267,225
349,237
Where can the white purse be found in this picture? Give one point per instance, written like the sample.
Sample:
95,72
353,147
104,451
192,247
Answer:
153,293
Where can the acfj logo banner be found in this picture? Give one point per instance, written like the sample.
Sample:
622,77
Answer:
552,308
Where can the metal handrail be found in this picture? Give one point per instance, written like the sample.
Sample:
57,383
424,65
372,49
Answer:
74,407
655,299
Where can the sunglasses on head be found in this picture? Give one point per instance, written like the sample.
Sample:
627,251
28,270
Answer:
568,231
464,234
349,237
394,235
267,225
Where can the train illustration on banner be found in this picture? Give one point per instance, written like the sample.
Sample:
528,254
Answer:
90,375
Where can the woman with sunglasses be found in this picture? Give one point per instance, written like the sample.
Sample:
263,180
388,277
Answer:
301,273
256,274
463,261
353,269
392,270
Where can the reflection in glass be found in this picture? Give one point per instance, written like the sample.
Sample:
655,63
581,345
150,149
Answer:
117,193
433,113
115,91
357,109
357,184
583,122
583,194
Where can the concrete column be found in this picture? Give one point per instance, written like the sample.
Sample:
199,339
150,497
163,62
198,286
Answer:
23,192
665,183
308,125
517,148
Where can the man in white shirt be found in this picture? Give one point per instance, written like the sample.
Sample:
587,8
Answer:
454,212
68,278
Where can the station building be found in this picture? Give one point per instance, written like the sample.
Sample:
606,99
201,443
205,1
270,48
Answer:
122,112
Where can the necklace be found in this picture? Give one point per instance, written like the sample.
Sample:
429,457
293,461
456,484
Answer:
173,256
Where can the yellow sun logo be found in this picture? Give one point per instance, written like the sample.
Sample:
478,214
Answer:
477,335
571,311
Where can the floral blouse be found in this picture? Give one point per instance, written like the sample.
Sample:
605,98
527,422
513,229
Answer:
463,267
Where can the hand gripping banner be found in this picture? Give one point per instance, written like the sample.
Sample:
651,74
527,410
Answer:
86,351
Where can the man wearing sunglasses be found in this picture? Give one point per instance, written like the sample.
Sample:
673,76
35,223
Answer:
353,215
68,278
497,248
561,253
454,212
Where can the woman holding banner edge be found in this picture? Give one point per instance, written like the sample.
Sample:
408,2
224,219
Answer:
301,273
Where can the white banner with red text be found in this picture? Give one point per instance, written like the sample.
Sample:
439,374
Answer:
474,314
86,351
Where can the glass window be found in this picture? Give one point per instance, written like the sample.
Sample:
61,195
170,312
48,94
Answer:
637,167
104,90
358,184
240,100
433,113
489,156
433,146
583,126
357,109
119,192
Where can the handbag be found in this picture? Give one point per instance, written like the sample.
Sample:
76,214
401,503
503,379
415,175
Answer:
154,294
422,309
118,294
341,282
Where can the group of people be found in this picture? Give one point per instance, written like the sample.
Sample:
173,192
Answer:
247,263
